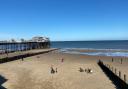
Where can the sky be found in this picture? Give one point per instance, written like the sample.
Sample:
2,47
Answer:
64,20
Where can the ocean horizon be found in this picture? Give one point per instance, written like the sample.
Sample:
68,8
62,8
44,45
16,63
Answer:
115,48
108,44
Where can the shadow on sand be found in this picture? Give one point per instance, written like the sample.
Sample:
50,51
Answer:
119,83
2,80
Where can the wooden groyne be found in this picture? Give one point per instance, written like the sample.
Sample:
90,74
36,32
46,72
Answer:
114,75
2,81
24,55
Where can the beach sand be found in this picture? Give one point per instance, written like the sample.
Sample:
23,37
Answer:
34,72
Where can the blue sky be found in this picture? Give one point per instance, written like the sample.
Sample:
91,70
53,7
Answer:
64,19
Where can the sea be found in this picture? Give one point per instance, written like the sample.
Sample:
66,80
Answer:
114,48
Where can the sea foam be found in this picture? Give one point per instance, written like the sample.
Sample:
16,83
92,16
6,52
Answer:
98,53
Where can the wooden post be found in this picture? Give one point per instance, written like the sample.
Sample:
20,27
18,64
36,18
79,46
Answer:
105,64
121,60
20,46
112,69
2,48
11,47
120,74
125,78
109,66
115,70
112,60
16,47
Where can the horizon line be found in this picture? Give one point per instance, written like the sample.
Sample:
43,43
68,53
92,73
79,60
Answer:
85,40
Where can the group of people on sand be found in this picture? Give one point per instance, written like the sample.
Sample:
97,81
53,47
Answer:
55,70
88,70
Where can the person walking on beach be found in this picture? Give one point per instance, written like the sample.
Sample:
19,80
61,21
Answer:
62,60
52,70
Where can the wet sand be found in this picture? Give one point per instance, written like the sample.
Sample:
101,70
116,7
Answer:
34,72
97,50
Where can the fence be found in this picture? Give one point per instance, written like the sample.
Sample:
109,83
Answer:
114,75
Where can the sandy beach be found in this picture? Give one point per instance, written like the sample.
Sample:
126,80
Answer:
63,44
35,73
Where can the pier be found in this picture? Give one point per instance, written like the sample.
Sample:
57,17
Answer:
7,47
34,43
12,50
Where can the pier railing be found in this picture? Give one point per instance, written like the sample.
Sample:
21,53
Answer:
114,75
8,47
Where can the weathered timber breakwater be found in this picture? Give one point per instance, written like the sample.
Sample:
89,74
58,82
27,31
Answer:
21,55
114,75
